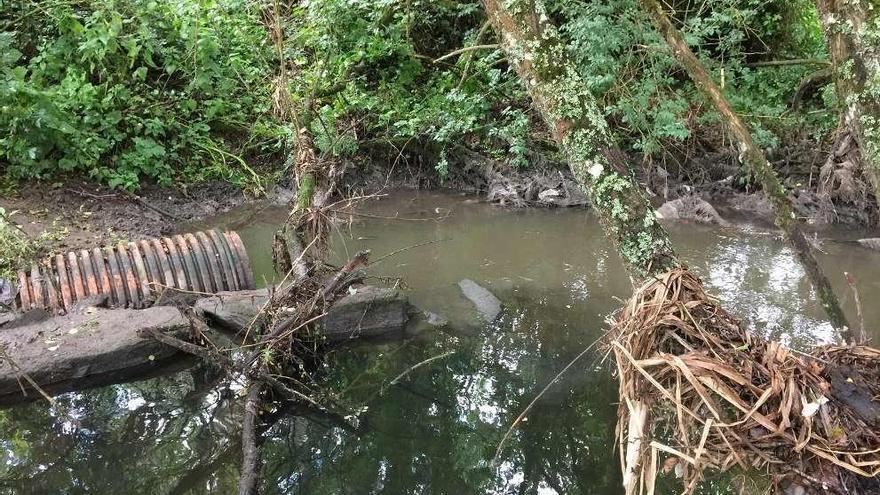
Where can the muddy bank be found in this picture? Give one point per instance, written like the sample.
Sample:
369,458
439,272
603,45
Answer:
715,177
79,214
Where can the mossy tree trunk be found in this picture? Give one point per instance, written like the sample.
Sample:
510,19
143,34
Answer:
852,33
753,157
535,50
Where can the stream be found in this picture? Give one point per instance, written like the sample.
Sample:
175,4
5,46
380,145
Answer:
433,408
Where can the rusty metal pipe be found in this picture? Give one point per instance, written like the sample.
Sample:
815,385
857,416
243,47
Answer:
134,274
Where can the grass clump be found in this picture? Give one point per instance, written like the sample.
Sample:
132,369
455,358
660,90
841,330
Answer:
16,248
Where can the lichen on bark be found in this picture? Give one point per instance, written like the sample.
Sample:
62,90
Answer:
852,33
570,111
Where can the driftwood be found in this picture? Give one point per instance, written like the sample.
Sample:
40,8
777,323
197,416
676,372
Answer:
249,480
284,329
733,399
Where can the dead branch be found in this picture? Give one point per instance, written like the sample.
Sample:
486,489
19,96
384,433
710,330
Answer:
229,365
249,480
150,206
466,49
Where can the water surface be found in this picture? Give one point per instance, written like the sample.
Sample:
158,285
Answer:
435,429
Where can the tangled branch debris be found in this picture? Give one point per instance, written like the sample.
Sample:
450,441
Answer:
722,397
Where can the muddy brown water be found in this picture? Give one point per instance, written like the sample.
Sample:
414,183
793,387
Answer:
436,428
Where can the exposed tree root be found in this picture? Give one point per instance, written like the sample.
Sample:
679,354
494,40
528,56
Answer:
721,397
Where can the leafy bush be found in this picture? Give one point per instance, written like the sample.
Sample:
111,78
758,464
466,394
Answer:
191,89
389,90
381,56
650,100
124,89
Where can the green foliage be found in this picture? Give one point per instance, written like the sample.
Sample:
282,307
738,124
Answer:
16,249
650,102
381,55
169,90
125,89
373,62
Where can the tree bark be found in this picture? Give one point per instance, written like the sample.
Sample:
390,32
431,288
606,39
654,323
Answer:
251,465
537,54
852,34
753,157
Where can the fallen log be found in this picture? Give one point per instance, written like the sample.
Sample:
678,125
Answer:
102,346
84,350
368,312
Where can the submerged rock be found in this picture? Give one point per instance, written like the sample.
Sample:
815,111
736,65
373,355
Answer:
6,302
420,321
871,243
691,208
7,296
754,203
487,304
548,187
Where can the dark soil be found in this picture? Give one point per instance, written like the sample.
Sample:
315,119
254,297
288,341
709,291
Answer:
78,214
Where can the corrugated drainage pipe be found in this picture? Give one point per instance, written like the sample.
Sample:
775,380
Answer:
133,274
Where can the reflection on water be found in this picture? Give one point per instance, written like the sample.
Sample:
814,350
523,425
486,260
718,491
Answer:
434,430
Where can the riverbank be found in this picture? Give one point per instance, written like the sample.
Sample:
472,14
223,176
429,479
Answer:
77,213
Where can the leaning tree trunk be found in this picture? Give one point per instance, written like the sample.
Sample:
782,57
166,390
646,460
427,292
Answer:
534,48
753,157
570,111
852,33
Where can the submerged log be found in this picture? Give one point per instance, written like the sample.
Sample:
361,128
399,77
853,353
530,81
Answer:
367,312
102,346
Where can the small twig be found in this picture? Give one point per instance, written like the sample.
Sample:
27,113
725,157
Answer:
408,219
782,63
285,332
407,248
175,289
465,50
540,394
4,356
90,195
146,204
417,365
360,259
470,55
